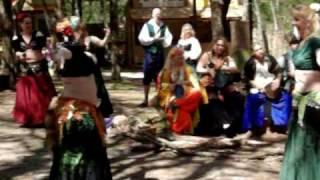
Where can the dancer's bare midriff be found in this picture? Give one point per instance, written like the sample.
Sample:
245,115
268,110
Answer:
83,88
307,80
32,56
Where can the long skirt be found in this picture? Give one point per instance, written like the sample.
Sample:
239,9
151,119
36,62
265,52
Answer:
302,153
79,148
105,104
33,96
217,113
258,107
185,116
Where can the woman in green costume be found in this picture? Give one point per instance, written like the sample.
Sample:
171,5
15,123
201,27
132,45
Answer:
302,154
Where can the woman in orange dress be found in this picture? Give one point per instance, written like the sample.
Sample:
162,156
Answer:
179,93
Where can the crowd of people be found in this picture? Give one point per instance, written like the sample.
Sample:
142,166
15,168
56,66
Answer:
76,118
200,96
198,91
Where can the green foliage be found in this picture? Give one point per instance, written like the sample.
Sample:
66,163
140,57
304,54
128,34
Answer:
91,10
283,11
240,57
266,12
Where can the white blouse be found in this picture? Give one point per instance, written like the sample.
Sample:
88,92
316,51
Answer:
262,75
145,38
195,51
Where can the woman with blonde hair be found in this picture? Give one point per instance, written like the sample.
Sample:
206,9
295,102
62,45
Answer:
190,44
179,93
302,154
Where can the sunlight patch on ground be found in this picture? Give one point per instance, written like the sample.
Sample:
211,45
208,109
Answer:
129,75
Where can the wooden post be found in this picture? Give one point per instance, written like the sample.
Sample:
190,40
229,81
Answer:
216,24
115,69
60,8
260,26
240,35
5,32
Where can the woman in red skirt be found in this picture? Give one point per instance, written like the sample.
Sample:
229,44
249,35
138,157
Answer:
34,88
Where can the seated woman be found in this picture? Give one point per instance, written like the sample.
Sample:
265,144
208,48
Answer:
223,113
179,93
76,127
266,101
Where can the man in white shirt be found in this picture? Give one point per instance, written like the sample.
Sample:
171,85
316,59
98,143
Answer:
154,37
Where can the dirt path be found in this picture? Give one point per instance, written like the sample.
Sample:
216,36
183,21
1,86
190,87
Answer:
23,154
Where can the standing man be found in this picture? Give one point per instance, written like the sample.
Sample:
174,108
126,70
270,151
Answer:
154,37
286,63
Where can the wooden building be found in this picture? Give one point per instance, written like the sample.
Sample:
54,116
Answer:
177,12
174,13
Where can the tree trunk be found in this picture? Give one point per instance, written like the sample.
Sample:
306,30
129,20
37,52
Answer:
19,5
216,24
114,26
48,19
274,16
129,37
79,8
194,14
73,7
5,33
60,8
277,6
76,8
102,11
115,69
260,27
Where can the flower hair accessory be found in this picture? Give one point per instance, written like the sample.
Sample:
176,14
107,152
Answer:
64,27
22,15
68,25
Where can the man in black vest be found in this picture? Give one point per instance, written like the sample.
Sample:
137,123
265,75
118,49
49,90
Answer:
154,37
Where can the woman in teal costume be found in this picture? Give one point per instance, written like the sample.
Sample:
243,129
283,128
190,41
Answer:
302,154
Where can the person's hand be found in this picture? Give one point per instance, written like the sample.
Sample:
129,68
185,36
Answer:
206,81
275,85
107,31
21,56
172,86
187,83
158,37
218,64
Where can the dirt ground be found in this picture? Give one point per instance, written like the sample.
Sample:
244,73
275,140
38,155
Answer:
23,154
